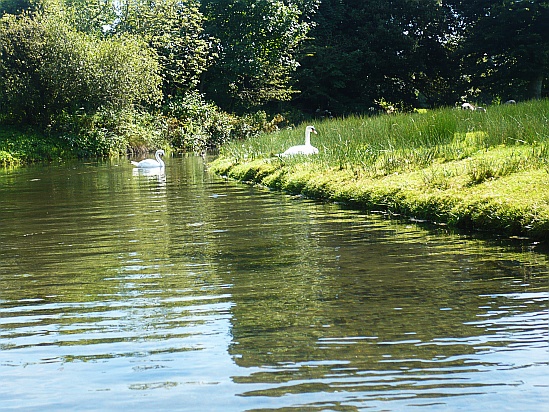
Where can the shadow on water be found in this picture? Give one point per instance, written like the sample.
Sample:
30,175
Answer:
182,291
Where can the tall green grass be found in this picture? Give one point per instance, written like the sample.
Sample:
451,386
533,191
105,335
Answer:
467,169
382,145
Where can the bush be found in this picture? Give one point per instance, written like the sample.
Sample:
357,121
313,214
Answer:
109,132
191,123
24,146
6,158
48,68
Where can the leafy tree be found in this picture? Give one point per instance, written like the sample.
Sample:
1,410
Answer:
505,47
174,29
257,49
88,16
47,68
15,6
368,51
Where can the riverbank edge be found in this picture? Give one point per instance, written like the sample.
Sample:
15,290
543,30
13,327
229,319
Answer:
27,146
516,205
19,146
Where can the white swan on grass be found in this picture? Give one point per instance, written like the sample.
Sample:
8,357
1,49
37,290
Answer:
151,163
304,149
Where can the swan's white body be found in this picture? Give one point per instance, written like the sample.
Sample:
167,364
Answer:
151,163
304,149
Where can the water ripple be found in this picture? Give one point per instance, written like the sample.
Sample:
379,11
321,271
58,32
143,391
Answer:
188,292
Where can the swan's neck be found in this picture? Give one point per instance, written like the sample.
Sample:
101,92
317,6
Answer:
159,159
307,137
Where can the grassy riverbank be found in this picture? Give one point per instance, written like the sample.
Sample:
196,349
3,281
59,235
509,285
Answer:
482,171
26,146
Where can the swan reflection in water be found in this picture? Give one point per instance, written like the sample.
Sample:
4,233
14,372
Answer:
151,168
152,174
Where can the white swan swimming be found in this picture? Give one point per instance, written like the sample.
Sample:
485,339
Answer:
304,149
151,163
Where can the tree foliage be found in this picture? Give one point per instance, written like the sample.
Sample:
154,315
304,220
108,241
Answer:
365,52
15,6
47,67
257,44
174,29
505,46
62,60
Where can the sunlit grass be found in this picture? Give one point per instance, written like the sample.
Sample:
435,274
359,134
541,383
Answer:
448,165
381,145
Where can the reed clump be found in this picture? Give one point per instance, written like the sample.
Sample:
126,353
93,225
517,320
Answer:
478,170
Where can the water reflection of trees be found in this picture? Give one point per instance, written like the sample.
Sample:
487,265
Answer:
312,292
316,294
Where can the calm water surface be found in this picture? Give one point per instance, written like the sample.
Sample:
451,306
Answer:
185,292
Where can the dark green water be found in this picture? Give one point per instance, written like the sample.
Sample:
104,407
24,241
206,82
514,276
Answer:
185,292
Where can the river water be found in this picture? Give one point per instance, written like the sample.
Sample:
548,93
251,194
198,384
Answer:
186,292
